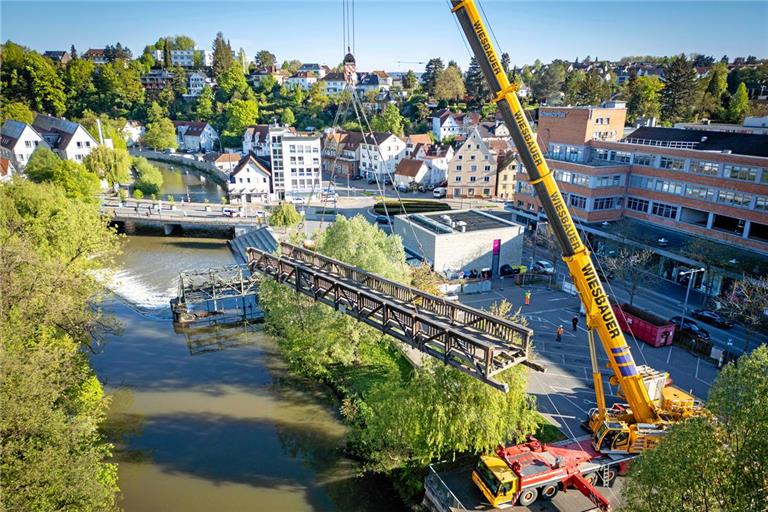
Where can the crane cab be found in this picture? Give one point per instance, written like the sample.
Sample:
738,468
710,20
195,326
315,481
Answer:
498,483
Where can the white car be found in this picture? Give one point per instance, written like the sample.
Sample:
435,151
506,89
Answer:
296,200
439,192
543,267
229,212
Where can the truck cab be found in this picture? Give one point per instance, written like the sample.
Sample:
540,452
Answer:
495,479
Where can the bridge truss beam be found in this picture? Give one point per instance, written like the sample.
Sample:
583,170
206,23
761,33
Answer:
468,339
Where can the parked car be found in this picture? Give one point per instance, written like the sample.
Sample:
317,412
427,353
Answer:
439,192
296,200
229,212
356,177
403,188
383,219
371,181
422,188
387,180
690,327
329,195
169,151
543,267
711,317
512,270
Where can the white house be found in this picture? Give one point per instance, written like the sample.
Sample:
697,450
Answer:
303,79
381,154
132,132
450,124
250,181
69,140
437,157
410,171
227,162
256,139
20,140
195,135
96,55
334,83
373,81
319,70
196,83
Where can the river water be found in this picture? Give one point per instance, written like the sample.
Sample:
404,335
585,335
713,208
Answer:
188,184
211,420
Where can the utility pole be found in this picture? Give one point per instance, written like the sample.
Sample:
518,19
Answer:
692,274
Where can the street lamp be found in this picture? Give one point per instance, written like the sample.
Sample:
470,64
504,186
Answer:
692,275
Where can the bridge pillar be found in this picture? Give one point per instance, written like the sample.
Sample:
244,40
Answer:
168,229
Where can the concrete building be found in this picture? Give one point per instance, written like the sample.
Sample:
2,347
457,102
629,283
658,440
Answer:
20,140
187,58
333,83
461,240
250,181
303,79
473,170
157,79
67,139
295,162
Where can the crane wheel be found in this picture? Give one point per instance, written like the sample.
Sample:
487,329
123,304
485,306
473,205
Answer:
548,491
528,496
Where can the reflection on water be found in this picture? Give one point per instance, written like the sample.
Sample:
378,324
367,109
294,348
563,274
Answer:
224,430
188,184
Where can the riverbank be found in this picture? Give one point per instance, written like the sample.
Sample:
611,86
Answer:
176,159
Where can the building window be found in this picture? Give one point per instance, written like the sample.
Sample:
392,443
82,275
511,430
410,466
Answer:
473,168
641,182
643,159
664,210
487,179
520,204
456,192
580,180
601,154
604,203
577,201
472,179
669,187
638,205
487,168
471,157
470,192
608,181
458,167
486,191
737,172
700,193
563,176
673,164
704,168
761,203
457,179
621,156
733,198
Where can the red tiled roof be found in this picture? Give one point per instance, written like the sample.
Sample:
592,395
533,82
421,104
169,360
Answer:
409,167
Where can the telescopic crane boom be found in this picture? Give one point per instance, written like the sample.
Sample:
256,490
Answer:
620,429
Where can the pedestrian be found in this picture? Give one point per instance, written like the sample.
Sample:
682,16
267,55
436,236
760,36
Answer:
528,297
575,322
560,331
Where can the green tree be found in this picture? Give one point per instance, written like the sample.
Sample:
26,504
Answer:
291,66
265,59
222,56
572,86
180,81
738,108
449,85
53,456
410,81
79,85
113,165
240,114
287,118
284,215
547,83
150,180
593,90
475,82
711,463
155,112
110,128
317,100
747,303
631,267
233,80
432,70
160,135
46,87
119,88
73,178
205,104
183,42
678,98
390,120
16,111
643,95
714,87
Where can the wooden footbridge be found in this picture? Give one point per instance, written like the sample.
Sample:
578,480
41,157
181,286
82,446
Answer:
474,341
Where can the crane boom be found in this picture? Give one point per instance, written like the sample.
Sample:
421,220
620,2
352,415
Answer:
600,315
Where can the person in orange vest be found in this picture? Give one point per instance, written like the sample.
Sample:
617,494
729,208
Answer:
528,297
560,331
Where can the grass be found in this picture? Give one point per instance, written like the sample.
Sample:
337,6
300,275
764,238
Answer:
547,432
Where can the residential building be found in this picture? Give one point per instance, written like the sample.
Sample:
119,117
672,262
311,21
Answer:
157,79
381,154
373,81
58,57
20,140
473,170
249,181
197,81
411,141
506,178
294,162
452,124
689,183
461,240
69,140
303,79
334,83
187,58
132,132
257,76
347,145
256,139
96,55
7,170
195,135
318,70
438,158
410,171
228,161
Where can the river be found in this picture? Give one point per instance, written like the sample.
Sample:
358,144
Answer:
213,420
187,184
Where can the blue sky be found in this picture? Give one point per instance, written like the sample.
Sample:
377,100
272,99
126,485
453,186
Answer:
388,32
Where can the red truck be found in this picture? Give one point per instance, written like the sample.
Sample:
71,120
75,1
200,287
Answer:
644,326
521,474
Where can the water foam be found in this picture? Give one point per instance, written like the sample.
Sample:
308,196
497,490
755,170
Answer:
132,289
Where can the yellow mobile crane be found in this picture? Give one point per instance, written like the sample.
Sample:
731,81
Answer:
652,404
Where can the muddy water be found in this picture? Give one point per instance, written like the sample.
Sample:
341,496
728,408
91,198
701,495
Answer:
210,418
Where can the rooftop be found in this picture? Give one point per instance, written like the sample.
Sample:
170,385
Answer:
701,140
443,223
